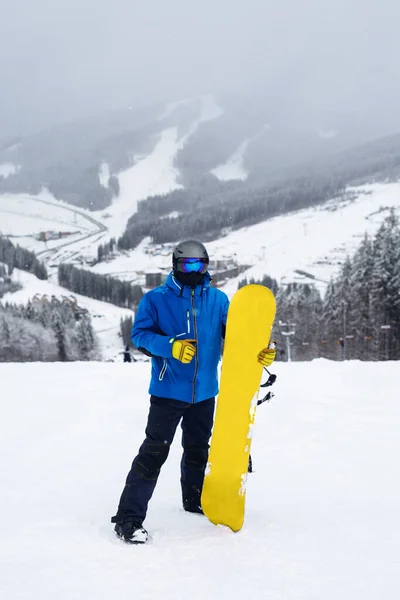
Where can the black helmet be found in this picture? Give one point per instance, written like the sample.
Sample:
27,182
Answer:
189,249
190,262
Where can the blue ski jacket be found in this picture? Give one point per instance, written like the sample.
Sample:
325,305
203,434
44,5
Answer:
173,311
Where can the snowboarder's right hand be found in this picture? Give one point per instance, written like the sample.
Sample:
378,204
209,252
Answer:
184,350
267,356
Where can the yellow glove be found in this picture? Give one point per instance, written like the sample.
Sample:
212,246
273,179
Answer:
267,356
184,350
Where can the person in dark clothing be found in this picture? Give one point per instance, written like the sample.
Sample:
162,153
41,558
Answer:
181,325
127,354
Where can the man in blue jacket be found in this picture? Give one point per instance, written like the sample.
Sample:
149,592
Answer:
180,325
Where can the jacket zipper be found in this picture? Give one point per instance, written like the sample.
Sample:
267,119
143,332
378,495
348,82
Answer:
188,320
197,349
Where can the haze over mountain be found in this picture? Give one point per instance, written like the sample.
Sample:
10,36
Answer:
69,59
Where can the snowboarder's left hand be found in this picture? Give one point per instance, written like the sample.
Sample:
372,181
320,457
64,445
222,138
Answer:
267,356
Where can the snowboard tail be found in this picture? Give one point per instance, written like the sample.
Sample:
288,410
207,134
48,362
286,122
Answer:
249,324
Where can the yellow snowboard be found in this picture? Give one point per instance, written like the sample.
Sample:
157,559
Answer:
250,318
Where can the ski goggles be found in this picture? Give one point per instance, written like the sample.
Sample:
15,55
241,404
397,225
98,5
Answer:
192,265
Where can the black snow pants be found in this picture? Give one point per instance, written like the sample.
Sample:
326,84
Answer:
164,417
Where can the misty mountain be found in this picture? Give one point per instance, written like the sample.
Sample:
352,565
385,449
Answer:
233,142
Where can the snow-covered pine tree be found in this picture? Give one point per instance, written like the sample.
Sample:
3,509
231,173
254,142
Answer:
86,338
384,290
23,340
361,317
331,324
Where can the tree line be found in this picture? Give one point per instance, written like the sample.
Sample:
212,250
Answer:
16,257
207,212
46,331
359,315
100,287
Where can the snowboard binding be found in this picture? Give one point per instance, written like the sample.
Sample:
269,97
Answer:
270,381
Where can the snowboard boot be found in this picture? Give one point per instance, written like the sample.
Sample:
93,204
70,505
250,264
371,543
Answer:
131,532
191,499
193,508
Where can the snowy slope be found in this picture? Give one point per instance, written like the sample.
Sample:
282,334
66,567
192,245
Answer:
23,217
152,175
322,519
7,169
155,174
233,169
315,240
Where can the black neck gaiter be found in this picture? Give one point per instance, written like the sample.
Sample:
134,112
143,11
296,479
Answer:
189,279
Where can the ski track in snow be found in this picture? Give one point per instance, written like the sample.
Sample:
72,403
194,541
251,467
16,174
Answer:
322,519
104,174
233,168
155,174
7,169
151,176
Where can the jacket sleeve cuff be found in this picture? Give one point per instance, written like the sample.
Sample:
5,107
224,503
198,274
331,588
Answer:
161,345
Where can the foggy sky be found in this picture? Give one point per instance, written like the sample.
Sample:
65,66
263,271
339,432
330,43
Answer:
62,59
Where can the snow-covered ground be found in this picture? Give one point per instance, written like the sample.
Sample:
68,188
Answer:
150,176
7,169
315,240
105,317
104,174
322,515
233,168
24,217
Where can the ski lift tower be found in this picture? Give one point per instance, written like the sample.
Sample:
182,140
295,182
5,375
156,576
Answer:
287,329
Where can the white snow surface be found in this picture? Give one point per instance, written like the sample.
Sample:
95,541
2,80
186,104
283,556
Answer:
233,168
104,174
316,240
7,169
322,510
152,175
22,216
